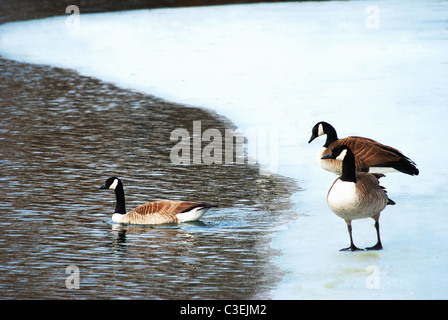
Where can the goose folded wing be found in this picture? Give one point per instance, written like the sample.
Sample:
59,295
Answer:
370,153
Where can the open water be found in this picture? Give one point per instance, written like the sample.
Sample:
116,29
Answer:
62,135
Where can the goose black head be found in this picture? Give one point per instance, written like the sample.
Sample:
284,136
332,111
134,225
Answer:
111,183
344,154
322,128
338,153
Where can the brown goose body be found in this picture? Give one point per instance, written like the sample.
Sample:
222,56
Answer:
156,212
162,211
371,156
362,199
356,195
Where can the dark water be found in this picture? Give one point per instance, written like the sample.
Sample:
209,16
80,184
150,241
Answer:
61,136
13,10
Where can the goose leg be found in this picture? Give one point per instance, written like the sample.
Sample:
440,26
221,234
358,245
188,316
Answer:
352,245
378,245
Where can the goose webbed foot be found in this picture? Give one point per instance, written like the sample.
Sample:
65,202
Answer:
352,248
378,246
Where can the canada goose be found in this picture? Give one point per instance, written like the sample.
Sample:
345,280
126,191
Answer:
371,156
356,195
157,212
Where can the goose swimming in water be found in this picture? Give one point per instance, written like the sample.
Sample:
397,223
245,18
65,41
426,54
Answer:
157,212
371,156
356,195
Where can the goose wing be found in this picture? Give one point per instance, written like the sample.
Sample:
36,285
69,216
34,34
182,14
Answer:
165,206
370,186
158,211
370,153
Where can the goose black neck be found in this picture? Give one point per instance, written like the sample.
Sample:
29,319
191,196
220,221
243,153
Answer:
349,167
332,136
119,194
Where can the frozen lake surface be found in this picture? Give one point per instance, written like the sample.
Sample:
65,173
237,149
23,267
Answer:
276,69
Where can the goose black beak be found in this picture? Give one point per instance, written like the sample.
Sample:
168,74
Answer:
102,187
312,138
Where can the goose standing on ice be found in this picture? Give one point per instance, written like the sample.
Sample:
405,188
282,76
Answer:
371,156
356,195
157,212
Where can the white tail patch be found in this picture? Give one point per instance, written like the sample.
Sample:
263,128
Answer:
382,170
192,215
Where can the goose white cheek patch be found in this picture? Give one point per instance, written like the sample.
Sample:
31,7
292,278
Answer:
114,184
342,155
320,130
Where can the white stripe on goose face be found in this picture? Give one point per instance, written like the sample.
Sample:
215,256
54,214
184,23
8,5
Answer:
114,184
320,130
342,155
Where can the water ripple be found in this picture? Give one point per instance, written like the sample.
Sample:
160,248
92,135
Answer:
62,135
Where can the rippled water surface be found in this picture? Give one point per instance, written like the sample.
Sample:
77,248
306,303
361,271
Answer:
61,136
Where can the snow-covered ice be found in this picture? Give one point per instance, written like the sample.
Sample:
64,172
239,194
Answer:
377,69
